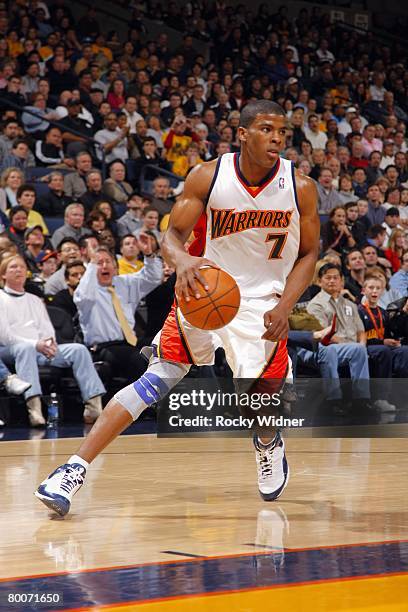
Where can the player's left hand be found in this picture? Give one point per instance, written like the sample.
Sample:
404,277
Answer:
276,323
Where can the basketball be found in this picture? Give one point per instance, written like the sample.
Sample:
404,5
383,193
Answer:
217,306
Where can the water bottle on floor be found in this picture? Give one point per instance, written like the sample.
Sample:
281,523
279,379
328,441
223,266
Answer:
53,412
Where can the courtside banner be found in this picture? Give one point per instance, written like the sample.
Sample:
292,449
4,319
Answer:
312,407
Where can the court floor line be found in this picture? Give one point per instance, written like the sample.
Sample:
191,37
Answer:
207,558
138,602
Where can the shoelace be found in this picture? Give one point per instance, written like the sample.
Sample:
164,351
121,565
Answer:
72,478
266,463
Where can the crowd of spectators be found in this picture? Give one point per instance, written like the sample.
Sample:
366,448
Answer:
87,117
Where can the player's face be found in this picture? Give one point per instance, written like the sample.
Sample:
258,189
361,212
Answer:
264,139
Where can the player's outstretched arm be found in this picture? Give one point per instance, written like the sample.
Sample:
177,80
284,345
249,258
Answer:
184,216
276,320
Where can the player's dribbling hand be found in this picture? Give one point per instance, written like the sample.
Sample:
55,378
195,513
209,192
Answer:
188,274
276,323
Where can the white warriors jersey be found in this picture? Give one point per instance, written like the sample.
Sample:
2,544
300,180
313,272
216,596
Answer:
253,232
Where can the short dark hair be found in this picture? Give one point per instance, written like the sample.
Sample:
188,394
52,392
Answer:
65,241
23,188
19,141
16,209
72,264
327,267
392,212
259,107
375,230
127,236
349,205
353,250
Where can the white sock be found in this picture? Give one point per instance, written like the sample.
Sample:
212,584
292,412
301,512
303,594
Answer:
77,459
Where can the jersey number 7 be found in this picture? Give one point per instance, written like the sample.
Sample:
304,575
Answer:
279,243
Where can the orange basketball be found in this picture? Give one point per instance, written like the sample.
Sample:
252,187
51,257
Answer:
217,306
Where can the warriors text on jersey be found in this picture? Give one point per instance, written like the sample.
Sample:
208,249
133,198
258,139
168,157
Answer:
253,232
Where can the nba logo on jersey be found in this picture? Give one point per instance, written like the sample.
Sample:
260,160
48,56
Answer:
281,183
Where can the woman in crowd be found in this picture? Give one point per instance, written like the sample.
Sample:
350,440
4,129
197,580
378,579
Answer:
335,233
10,180
397,247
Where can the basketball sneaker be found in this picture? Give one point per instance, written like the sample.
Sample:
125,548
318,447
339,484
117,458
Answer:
57,491
273,469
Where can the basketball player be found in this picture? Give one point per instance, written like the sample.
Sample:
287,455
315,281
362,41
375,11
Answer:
262,228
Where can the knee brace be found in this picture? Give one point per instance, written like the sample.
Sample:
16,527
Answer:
160,377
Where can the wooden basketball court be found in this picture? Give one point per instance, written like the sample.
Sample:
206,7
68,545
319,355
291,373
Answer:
178,525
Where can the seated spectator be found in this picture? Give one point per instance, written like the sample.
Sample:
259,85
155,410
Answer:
392,198
129,262
73,142
335,232
346,191
386,356
18,157
37,123
391,222
68,251
64,299
113,140
10,131
30,342
49,152
94,192
150,223
375,212
47,264
106,305
383,186
116,188
178,138
96,222
108,210
360,185
150,156
116,95
10,180
74,182
54,203
373,171
397,245
313,134
399,280
347,346
362,206
184,163
18,225
131,221
161,195
107,238
387,157
35,245
354,279
370,143
26,198
329,198
354,224
73,227
372,259
403,207
130,110
391,174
